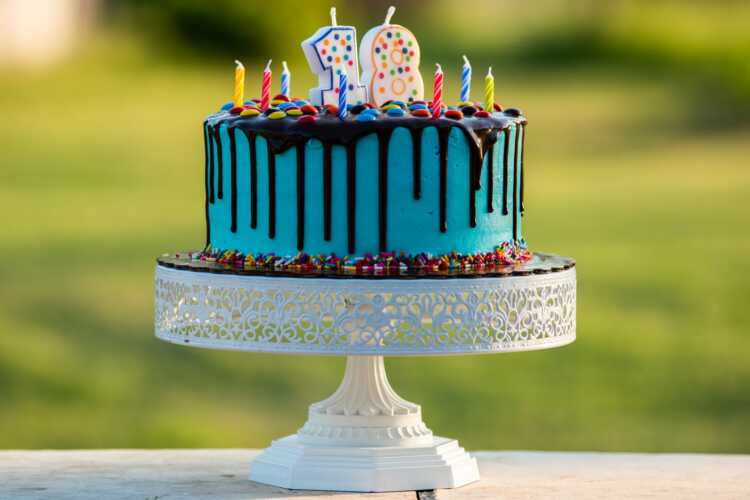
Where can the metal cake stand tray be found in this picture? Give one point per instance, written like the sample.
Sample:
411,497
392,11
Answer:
365,437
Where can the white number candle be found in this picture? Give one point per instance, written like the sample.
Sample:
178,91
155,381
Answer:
390,63
331,51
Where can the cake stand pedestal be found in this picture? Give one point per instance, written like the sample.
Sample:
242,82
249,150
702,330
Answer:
365,437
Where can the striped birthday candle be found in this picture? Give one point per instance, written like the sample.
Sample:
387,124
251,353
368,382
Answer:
343,84
437,93
466,81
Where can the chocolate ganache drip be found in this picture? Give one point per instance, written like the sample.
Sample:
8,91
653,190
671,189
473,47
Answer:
280,135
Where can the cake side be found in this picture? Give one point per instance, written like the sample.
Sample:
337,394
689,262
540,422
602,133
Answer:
397,183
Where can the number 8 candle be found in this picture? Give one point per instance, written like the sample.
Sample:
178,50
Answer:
390,63
331,51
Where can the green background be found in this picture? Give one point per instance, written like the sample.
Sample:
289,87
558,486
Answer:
638,166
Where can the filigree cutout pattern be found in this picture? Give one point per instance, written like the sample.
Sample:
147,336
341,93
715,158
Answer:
385,317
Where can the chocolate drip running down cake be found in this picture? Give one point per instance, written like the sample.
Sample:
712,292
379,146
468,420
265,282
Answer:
296,185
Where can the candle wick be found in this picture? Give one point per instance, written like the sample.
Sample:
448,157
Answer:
268,66
239,64
466,61
389,14
333,16
286,68
439,69
489,71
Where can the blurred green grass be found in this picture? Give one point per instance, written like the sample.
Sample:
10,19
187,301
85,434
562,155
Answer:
102,172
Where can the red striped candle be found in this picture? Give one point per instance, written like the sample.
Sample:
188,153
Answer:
437,93
265,92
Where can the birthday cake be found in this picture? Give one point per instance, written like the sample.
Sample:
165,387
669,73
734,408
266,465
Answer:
364,176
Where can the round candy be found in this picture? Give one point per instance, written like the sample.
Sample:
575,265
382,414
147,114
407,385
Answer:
396,111
454,114
358,109
366,117
309,109
276,102
293,111
371,111
251,103
468,110
400,104
465,103
270,110
332,109
386,107
284,105
481,114
276,115
236,110
497,107
300,102
515,112
281,97
417,106
421,113
306,119
227,106
250,112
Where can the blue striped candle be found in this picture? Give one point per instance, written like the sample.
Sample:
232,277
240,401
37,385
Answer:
343,84
286,79
466,81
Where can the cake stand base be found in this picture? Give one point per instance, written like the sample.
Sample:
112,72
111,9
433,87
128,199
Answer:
364,438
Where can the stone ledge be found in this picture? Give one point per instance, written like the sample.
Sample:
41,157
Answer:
221,474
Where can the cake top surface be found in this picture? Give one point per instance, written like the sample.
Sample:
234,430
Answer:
289,121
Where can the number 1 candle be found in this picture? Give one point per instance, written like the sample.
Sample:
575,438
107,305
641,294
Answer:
331,51
239,85
390,63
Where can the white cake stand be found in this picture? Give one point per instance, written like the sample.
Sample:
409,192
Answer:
365,437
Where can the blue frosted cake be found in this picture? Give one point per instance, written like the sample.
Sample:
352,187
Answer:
387,187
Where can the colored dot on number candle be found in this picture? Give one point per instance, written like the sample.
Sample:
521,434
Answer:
407,69
398,35
351,63
381,75
326,42
377,50
348,37
381,89
329,58
389,34
336,36
338,59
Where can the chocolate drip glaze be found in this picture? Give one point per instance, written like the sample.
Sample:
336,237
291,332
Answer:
490,181
515,183
523,154
280,135
217,138
327,190
506,147
207,180
416,155
300,196
351,193
384,138
211,160
233,175
253,153
443,140
271,191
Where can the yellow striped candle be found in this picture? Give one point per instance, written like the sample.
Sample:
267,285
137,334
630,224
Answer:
489,91
239,85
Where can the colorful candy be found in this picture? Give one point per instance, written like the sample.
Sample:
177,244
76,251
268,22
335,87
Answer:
306,119
396,111
250,112
276,115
